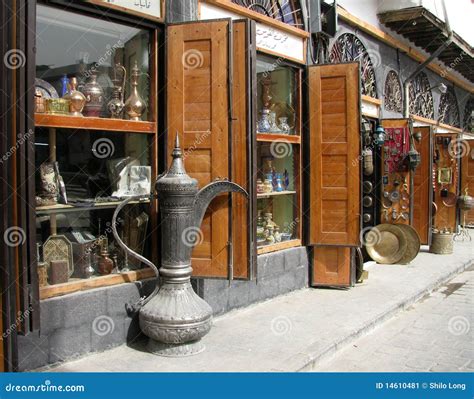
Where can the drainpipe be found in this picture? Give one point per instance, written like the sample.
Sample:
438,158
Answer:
406,83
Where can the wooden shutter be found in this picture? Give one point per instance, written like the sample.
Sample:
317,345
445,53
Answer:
422,194
332,266
467,177
445,216
198,93
243,54
333,151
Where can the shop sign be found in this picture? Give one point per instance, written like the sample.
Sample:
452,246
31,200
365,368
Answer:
146,8
369,109
269,39
277,41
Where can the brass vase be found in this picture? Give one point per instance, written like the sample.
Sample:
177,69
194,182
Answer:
94,97
135,105
76,98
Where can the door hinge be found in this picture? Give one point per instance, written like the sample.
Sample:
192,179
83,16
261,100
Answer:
230,268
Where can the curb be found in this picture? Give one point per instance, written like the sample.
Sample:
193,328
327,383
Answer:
311,358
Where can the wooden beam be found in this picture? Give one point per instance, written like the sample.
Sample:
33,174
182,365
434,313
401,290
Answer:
395,43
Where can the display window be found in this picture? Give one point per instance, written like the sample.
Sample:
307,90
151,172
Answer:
95,145
278,133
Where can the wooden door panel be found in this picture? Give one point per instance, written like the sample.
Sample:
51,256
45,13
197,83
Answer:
197,111
331,266
467,179
333,201
422,186
445,216
242,50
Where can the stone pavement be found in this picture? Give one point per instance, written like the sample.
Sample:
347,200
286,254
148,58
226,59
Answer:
436,334
297,331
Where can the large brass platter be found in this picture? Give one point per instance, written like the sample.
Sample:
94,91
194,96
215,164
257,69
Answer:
387,243
413,244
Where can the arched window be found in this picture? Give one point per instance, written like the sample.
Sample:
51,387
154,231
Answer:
421,98
393,92
448,111
349,48
287,11
468,120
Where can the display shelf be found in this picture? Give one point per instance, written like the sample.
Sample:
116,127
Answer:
285,138
75,285
61,208
86,123
279,246
275,194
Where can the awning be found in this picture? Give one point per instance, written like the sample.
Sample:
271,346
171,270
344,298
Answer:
428,32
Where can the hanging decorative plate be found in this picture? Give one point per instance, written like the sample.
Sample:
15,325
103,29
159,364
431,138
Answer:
47,90
58,247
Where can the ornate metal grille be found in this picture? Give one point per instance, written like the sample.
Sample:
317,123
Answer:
448,111
349,48
393,92
287,11
421,98
468,120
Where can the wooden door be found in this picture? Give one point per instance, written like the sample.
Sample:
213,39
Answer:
331,266
332,158
199,71
467,177
444,157
422,179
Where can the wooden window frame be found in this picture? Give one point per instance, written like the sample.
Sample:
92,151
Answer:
150,128
295,141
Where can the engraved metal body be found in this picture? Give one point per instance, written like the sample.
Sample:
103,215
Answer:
174,317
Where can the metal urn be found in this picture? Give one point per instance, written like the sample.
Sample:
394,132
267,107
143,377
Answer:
174,317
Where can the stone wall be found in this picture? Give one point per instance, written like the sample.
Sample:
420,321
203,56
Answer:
97,320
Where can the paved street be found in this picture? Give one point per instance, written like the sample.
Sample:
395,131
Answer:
301,330
436,334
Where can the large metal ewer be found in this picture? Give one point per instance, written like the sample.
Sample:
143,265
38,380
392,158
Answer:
174,317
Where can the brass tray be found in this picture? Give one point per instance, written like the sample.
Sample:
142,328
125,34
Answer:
389,245
413,244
